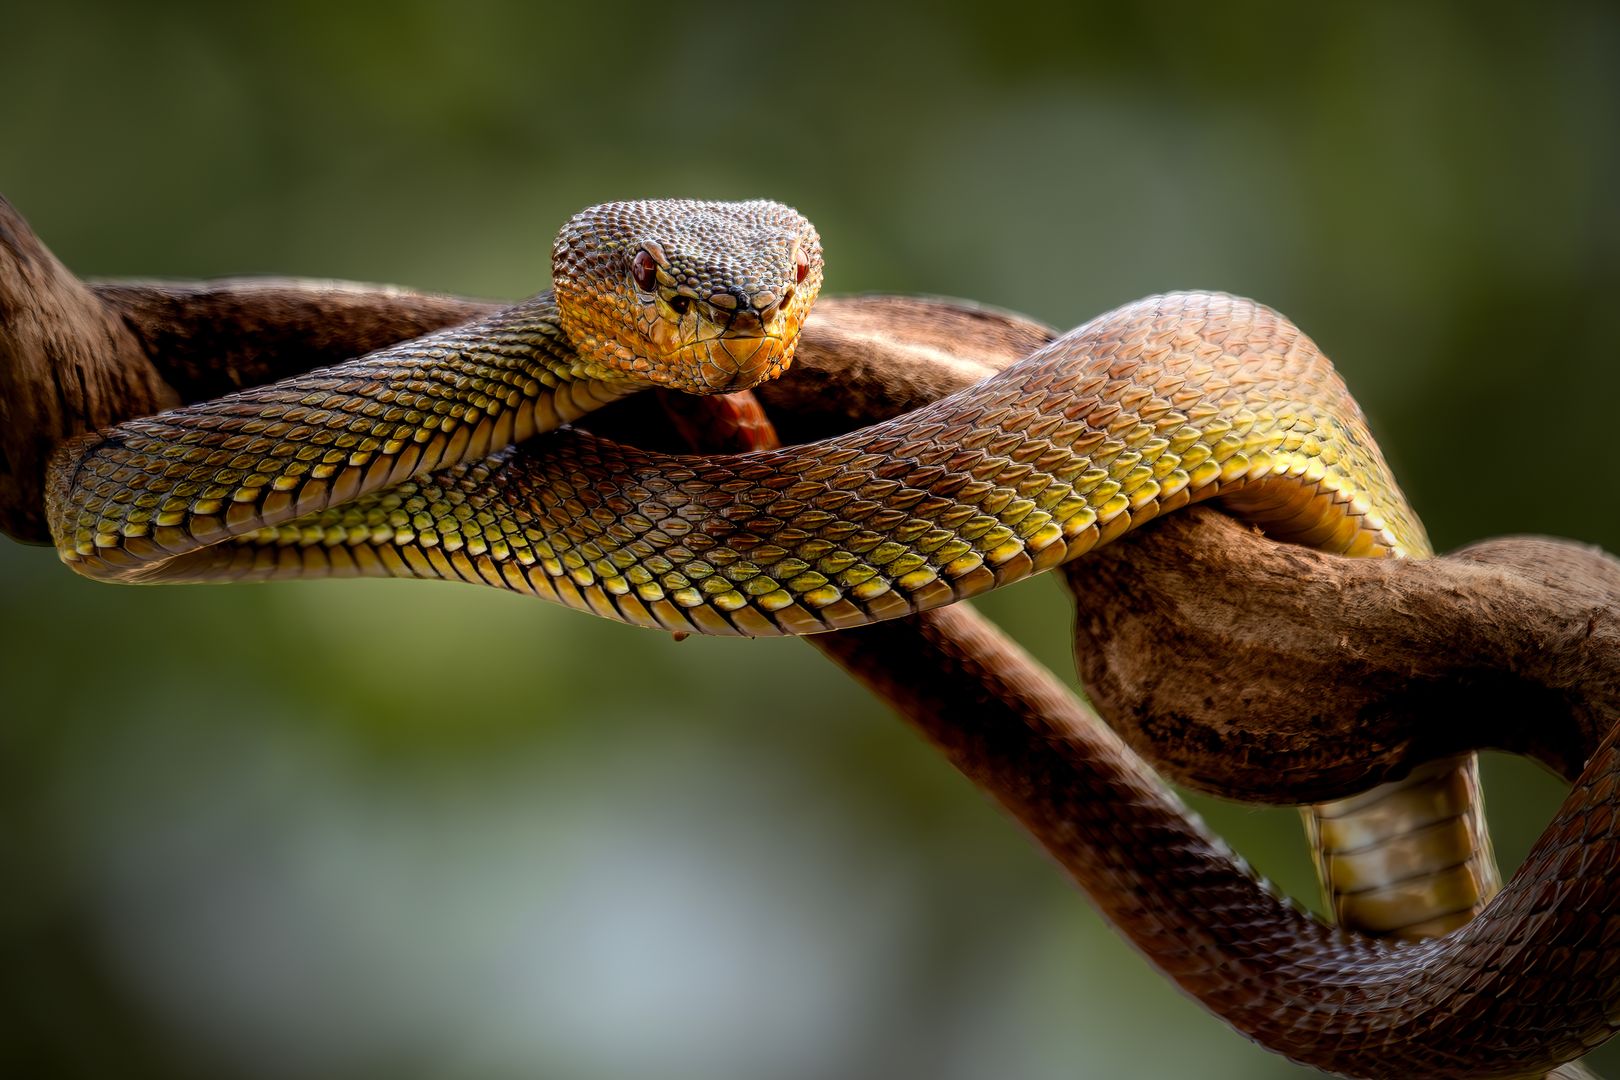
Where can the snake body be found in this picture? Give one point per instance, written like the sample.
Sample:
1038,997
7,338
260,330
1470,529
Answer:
412,462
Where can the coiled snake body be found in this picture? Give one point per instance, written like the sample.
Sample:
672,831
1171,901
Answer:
412,462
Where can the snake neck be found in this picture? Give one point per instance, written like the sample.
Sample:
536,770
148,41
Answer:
534,336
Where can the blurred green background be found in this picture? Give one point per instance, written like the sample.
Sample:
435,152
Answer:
388,829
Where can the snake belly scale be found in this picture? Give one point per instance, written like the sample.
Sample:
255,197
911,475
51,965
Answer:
413,462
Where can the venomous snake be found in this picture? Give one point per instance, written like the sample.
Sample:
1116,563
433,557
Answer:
412,462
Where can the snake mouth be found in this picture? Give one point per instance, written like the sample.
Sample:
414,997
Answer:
700,351
728,362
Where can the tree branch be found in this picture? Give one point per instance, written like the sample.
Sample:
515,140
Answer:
1209,647
67,364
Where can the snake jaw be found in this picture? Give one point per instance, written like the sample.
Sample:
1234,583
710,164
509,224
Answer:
732,363
702,351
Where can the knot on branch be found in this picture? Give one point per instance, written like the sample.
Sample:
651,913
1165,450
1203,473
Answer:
1244,667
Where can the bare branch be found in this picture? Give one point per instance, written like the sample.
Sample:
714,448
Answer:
67,364
208,338
1210,649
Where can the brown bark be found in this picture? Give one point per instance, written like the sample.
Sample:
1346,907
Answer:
67,364
1245,667
208,338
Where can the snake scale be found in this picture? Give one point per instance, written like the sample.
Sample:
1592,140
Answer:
415,461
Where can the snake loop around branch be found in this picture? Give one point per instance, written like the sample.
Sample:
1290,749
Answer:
1159,404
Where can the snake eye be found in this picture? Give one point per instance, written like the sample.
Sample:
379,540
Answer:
680,304
801,266
644,269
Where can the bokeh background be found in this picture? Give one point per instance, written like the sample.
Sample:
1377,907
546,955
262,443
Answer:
405,830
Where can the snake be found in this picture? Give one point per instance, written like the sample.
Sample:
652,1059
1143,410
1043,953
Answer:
423,460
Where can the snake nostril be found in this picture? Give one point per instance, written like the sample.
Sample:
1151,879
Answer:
680,304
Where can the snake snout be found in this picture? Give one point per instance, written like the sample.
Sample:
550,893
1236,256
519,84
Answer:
748,322
745,313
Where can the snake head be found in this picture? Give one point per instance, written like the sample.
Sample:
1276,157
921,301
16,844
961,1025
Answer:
704,297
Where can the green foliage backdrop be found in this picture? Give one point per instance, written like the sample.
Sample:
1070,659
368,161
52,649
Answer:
407,830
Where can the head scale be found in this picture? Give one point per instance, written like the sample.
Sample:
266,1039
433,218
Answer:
705,297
